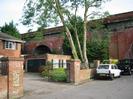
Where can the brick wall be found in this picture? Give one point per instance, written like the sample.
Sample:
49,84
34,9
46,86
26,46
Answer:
120,43
3,87
77,75
86,74
13,82
53,43
9,52
57,57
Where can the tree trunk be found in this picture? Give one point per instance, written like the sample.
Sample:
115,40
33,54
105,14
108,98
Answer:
74,51
84,44
85,35
79,46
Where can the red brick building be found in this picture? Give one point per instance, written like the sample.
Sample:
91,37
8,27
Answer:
9,46
121,26
11,67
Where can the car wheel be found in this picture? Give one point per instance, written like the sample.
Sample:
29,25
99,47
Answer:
130,72
111,76
119,76
96,77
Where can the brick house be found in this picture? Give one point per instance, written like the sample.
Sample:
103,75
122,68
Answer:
9,46
121,26
11,67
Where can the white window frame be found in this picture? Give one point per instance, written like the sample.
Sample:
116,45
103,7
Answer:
10,45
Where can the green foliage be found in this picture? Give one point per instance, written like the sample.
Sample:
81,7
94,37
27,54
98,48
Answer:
38,36
66,47
97,45
45,71
40,12
97,50
10,29
58,75
77,22
45,12
27,37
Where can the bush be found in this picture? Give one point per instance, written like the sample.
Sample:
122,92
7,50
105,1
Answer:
45,71
58,75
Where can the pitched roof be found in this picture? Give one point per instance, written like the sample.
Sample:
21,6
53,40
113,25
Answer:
5,36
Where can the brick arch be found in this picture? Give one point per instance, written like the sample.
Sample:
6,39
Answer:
41,49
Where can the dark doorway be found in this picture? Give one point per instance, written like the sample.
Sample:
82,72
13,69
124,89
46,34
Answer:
42,49
34,64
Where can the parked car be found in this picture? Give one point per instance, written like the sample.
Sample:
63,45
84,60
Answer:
126,66
108,70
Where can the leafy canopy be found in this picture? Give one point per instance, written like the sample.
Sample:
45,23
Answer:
10,29
45,13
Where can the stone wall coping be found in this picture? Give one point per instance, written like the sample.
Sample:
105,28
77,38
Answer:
58,55
74,60
12,59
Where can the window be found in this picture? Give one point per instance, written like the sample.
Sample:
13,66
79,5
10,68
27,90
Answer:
112,67
10,45
103,67
3,69
115,67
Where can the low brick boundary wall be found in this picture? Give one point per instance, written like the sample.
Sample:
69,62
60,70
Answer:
86,74
77,75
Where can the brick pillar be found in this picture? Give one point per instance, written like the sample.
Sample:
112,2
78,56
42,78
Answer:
15,77
73,67
3,87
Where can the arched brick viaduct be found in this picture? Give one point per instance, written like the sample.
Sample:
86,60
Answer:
121,40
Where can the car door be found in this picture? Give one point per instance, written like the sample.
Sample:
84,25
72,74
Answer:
113,71
117,71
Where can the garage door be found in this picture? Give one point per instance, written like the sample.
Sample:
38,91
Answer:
34,64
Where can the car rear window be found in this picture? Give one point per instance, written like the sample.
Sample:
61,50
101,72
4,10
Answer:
103,67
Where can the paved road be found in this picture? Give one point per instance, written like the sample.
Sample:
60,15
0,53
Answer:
120,88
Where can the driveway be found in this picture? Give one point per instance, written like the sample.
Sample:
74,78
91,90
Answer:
121,88
34,84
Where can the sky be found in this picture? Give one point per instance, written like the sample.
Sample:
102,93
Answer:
13,10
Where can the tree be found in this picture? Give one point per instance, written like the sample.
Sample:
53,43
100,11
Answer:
10,29
97,44
97,50
77,36
45,12
39,34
